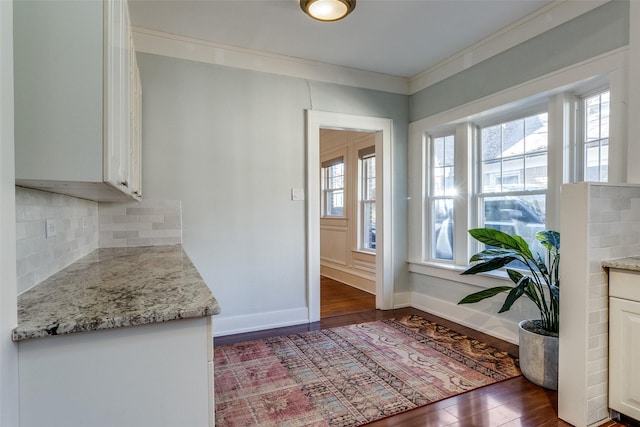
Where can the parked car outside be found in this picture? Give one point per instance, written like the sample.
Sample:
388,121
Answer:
512,215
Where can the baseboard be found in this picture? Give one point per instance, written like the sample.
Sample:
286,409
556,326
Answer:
503,329
356,280
401,299
229,325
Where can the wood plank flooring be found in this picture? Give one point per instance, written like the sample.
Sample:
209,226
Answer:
337,298
514,402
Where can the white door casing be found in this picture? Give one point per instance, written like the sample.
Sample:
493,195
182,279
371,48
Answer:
384,267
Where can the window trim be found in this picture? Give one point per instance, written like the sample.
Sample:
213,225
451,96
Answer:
555,102
580,128
364,154
324,165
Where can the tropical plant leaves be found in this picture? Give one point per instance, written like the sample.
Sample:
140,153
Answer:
490,265
549,239
502,249
484,294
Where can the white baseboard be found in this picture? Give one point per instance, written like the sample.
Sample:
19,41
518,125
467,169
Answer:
229,325
401,299
503,329
506,330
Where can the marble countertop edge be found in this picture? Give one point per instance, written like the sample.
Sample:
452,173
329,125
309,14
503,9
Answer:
631,263
56,329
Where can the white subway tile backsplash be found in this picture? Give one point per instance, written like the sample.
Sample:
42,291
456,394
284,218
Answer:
38,257
81,227
146,223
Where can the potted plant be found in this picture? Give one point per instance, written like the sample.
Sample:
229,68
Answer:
540,283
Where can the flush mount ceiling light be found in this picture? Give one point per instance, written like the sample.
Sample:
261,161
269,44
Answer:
327,10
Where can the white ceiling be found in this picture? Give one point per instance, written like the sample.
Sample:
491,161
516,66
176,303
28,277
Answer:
396,37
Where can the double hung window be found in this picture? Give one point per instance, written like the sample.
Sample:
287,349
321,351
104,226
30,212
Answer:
513,176
333,180
442,198
367,160
594,145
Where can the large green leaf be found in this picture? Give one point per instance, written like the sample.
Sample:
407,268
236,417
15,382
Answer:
490,265
549,239
514,275
484,294
500,239
492,253
513,296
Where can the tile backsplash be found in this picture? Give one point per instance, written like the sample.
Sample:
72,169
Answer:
146,223
76,233
81,226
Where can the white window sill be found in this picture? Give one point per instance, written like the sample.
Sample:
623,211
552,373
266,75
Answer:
453,273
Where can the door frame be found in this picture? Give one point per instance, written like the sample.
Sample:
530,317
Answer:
316,120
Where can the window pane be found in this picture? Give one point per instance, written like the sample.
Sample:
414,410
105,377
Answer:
369,225
514,155
596,139
333,189
442,235
443,178
369,178
521,215
335,203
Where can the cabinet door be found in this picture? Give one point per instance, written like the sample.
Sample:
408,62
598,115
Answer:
136,131
624,347
117,90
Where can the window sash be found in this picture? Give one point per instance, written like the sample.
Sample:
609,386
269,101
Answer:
367,204
333,191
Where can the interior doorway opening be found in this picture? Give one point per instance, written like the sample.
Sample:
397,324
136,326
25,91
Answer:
381,129
348,229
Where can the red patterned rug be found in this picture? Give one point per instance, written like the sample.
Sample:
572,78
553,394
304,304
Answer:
350,375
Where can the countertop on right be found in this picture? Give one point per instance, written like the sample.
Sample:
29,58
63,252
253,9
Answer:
627,263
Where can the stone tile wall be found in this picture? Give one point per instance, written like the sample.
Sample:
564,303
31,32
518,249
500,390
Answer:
146,223
38,257
614,232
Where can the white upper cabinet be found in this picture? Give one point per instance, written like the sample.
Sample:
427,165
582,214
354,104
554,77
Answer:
77,96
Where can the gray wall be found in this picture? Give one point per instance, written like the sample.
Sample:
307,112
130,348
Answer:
594,33
230,144
589,35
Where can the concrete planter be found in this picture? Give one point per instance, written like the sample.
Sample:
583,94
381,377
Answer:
538,356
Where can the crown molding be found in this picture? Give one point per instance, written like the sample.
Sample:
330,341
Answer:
544,19
175,46
166,44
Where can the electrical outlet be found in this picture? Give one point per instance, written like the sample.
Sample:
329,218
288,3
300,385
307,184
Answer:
50,228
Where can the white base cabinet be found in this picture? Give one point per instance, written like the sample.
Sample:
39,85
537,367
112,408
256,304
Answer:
624,342
76,99
157,375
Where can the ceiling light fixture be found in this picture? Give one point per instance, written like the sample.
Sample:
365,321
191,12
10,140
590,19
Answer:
327,10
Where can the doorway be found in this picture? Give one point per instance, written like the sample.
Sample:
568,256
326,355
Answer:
317,120
347,221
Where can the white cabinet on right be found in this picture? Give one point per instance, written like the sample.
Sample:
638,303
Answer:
624,342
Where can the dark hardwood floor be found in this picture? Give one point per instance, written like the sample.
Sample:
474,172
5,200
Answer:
514,402
337,298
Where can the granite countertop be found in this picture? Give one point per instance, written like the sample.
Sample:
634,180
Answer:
629,263
113,288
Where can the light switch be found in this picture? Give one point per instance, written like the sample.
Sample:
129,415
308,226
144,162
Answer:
297,194
50,228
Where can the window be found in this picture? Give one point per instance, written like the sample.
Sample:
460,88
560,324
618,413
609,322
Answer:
595,137
367,159
513,176
333,187
442,197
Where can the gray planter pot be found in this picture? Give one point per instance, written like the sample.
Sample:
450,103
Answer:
538,357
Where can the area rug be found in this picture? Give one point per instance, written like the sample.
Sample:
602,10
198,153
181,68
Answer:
350,375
